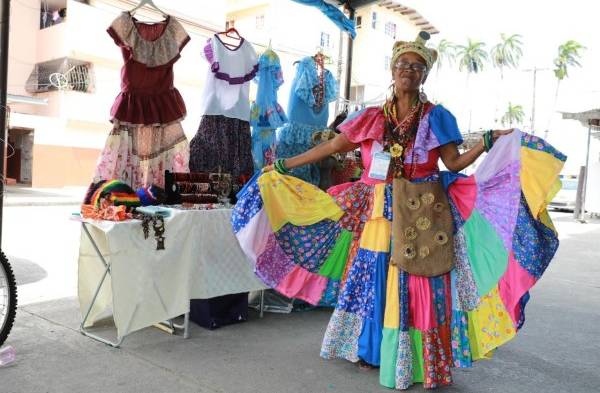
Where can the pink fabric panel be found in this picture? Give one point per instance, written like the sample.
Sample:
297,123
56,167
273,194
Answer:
367,125
464,193
302,284
338,189
420,297
512,285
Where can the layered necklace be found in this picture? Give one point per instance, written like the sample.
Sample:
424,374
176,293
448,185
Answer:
399,134
319,89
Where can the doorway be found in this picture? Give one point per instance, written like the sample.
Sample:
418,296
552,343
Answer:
19,163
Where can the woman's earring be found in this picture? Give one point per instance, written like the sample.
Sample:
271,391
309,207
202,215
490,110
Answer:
422,96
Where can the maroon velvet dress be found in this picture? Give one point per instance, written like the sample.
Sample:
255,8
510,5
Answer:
147,137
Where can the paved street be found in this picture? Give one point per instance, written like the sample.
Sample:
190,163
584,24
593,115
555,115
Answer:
557,351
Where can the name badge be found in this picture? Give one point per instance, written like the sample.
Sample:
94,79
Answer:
380,164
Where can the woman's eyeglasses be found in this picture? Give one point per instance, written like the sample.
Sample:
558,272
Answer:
416,67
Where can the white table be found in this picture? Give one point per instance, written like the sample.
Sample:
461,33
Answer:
123,275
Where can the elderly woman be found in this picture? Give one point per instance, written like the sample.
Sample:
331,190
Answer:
428,270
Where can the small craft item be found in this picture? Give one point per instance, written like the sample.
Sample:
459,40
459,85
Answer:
197,187
151,195
154,211
158,226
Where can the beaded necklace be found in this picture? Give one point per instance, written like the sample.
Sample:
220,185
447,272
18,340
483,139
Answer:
319,89
399,134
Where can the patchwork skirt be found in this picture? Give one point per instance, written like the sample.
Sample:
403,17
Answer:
335,249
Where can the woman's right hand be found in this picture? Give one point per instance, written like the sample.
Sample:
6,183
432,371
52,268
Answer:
267,168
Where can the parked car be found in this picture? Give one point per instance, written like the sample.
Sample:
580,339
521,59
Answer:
565,198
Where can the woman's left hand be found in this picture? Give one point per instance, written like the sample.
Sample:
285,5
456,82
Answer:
498,133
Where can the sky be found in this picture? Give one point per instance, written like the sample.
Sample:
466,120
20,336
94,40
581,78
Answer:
544,25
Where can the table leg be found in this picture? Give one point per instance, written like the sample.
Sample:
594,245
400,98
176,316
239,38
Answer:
82,328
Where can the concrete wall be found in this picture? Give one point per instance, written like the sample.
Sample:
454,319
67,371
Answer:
25,21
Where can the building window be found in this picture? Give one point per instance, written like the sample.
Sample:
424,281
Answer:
374,20
324,40
230,24
358,22
61,74
386,62
52,13
260,22
390,29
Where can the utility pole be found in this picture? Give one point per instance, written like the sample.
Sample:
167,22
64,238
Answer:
4,29
587,172
535,71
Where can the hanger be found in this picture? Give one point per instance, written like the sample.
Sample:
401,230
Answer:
326,59
233,34
149,3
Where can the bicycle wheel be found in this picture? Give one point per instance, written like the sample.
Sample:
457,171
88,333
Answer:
8,298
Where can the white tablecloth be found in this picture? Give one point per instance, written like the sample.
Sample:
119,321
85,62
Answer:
202,259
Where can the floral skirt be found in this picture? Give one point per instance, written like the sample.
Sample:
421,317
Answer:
335,248
224,144
139,155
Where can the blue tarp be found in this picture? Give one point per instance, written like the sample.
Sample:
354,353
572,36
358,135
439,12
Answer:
333,13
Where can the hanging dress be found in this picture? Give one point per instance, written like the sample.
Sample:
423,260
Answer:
147,137
266,115
312,245
223,140
306,115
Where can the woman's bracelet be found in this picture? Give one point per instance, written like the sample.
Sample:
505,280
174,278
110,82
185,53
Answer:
279,166
488,140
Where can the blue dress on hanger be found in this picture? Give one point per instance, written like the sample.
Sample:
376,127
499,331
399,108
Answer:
305,117
266,115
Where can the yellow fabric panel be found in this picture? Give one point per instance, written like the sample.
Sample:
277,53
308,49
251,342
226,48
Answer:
392,300
539,171
376,235
289,199
490,326
546,220
378,201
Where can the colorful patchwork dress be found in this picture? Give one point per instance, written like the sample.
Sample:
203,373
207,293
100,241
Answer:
147,137
317,247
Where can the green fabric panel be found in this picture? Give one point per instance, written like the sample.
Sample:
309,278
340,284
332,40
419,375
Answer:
417,351
389,352
487,254
336,261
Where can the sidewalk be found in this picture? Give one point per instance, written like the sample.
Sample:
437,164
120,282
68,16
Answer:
26,196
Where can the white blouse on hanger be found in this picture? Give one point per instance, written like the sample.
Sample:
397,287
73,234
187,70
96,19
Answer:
230,71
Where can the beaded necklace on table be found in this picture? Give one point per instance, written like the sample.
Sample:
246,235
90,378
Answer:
399,134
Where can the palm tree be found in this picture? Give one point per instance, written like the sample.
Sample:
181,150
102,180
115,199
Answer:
471,57
569,55
507,52
513,114
446,51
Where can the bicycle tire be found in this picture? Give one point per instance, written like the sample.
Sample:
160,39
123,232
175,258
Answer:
6,326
